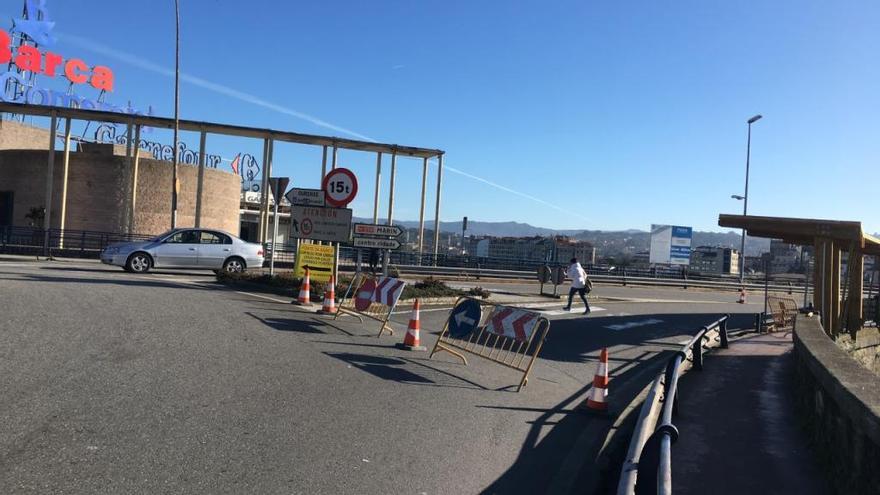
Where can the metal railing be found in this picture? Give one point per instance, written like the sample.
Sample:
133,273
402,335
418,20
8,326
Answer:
70,243
647,468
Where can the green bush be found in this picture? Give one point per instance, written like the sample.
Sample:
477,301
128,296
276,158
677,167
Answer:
430,287
284,283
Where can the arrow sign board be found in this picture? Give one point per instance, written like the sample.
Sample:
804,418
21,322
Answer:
370,229
373,242
305,197
464,318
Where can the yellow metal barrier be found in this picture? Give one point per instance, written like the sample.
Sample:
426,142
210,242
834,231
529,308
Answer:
511,337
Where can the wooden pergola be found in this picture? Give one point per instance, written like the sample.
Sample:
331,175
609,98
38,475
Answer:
830,239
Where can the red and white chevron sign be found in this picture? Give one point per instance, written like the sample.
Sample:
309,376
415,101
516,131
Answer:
388,290
515,323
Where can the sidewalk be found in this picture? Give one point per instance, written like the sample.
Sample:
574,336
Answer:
738,429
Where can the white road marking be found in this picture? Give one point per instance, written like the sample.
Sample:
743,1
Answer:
558,312
274,299
408,311
633,324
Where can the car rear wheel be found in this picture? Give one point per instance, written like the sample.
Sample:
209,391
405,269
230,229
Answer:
234,265
138,263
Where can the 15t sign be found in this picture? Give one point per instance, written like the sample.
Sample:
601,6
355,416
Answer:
340,187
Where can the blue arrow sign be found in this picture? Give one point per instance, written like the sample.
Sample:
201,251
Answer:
464,318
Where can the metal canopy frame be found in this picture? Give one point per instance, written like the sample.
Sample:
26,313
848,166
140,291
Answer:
269,136
830,239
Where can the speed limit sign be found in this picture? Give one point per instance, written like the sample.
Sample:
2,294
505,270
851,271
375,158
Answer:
340,187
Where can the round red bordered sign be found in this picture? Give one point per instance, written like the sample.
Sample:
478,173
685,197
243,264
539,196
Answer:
340,187
365,295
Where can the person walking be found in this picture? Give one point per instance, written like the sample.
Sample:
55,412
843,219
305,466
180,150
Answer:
580,284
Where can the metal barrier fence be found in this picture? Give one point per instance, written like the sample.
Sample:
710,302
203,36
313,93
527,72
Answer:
70,243
647,468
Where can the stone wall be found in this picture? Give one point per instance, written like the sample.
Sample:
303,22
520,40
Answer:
98,192
839,402
18,136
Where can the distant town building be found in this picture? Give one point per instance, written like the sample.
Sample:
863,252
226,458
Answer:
712,259
546,249
785,257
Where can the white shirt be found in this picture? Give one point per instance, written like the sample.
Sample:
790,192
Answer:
577,275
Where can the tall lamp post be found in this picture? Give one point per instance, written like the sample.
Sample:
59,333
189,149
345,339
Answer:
174,178
745,200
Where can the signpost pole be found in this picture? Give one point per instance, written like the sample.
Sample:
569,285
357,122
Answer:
323,162
390,210
274,235
335,157
422,209
437,208
50,172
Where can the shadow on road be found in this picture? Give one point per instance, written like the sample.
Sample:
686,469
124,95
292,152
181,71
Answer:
114,281
393,369
577,340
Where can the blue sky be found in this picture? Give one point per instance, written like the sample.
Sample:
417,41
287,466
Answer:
613,114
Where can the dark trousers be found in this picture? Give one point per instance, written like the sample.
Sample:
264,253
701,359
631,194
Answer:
582,292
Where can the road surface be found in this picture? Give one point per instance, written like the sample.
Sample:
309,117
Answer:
167,382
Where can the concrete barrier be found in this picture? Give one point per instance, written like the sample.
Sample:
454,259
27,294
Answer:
839,401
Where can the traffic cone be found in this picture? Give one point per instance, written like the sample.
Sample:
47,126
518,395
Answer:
304,298
329,307
411,340
598,399
742,296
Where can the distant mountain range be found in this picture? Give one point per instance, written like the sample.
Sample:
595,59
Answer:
609,242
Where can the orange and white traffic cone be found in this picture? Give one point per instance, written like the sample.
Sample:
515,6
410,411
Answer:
411,340
742,296
329,307
304,298
598,399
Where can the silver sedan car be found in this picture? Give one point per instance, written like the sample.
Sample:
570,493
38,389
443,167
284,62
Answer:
186,248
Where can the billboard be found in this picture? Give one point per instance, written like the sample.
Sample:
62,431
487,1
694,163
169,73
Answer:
671,244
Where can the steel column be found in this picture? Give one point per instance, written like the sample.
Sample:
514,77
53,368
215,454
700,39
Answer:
422,209
50,172
66,167
134,177
264,194
335,158
378,184
437,208
323,164
390,220
201,182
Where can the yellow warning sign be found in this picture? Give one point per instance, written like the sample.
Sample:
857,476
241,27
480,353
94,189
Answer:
319,259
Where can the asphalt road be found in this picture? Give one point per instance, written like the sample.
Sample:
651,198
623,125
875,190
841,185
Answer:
117,383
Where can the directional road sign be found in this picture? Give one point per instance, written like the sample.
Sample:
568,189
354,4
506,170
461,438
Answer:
375,242
305,197
340,187
464,318
380,230
320,223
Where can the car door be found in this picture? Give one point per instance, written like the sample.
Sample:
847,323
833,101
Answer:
214,248
179,250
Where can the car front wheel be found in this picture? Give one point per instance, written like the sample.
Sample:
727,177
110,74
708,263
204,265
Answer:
138,263
233,265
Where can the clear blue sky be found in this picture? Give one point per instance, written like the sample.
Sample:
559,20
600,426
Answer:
620,114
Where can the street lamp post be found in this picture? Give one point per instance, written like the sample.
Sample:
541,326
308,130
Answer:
745,198
174,178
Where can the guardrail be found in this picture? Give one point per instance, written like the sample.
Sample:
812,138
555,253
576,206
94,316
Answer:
647,468
73,243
